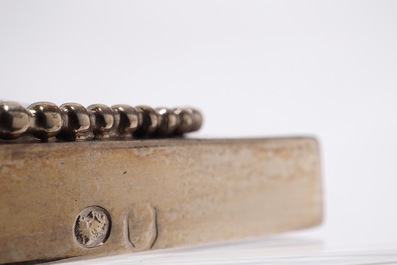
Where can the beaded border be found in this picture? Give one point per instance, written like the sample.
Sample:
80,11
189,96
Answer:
72,121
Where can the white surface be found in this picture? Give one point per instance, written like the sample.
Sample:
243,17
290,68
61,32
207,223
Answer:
277,250
255,68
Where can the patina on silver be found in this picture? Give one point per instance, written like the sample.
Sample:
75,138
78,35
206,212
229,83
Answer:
46,120
189,120
92,227
125,120
148,121
72,121
168,121
102,120
76,120
14,120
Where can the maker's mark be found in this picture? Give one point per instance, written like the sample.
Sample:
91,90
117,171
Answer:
140,227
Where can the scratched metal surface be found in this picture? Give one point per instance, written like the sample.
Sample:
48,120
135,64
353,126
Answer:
158,193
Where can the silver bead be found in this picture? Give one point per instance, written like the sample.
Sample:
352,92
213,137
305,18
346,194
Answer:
186,121
102,120
168,121
197,119
125,120
14,120
46,120
76,122
148,121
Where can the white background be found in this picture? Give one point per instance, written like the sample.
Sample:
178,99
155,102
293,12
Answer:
255,68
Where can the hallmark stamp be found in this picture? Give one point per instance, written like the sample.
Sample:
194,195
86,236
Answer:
92,227
140,227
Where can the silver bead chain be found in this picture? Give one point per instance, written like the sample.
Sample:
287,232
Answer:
72,121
